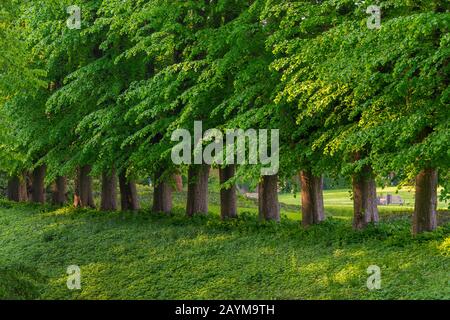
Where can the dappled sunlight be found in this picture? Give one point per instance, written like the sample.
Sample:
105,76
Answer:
64,211
224,149
320,267
343,253
349,273
405,266
148,256
444,247
203,239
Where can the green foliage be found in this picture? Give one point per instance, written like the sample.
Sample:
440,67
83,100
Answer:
148,256
137,70
111,94
350,89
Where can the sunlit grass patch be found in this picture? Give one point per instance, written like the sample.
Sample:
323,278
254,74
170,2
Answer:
126,255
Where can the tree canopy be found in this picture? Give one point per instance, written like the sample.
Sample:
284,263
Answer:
345,97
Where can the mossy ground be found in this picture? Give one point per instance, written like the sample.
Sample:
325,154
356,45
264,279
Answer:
152,256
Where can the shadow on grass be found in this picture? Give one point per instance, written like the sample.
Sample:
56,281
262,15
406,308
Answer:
143,255
19,282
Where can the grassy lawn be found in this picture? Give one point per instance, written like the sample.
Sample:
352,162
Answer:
342,198
149,256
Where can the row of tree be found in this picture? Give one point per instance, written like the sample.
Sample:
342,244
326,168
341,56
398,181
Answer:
104,100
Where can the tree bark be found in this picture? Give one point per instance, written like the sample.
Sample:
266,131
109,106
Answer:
312,198
162,195
197,197
425,206
268,205
17,188
23,188
109,191
29,185
13,189
37,186
83,196
178,182
228,208
365,208
59,191
128,194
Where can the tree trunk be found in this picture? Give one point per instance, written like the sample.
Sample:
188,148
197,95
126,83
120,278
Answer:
37,186
162,197
268,205
109,191
365,208
17,188
13,188
29,185
227,196
83,196
197,197
23,188
425,206
128,194
59,191
179,182
312,198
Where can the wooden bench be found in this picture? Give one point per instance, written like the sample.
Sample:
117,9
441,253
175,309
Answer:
390,199
396,200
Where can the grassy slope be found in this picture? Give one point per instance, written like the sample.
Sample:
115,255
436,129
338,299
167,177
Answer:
148,256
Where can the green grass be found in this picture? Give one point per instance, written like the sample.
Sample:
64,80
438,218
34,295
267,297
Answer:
150,256
342,198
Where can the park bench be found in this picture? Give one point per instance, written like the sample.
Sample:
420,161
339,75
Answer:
381,201
390,199
396,200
